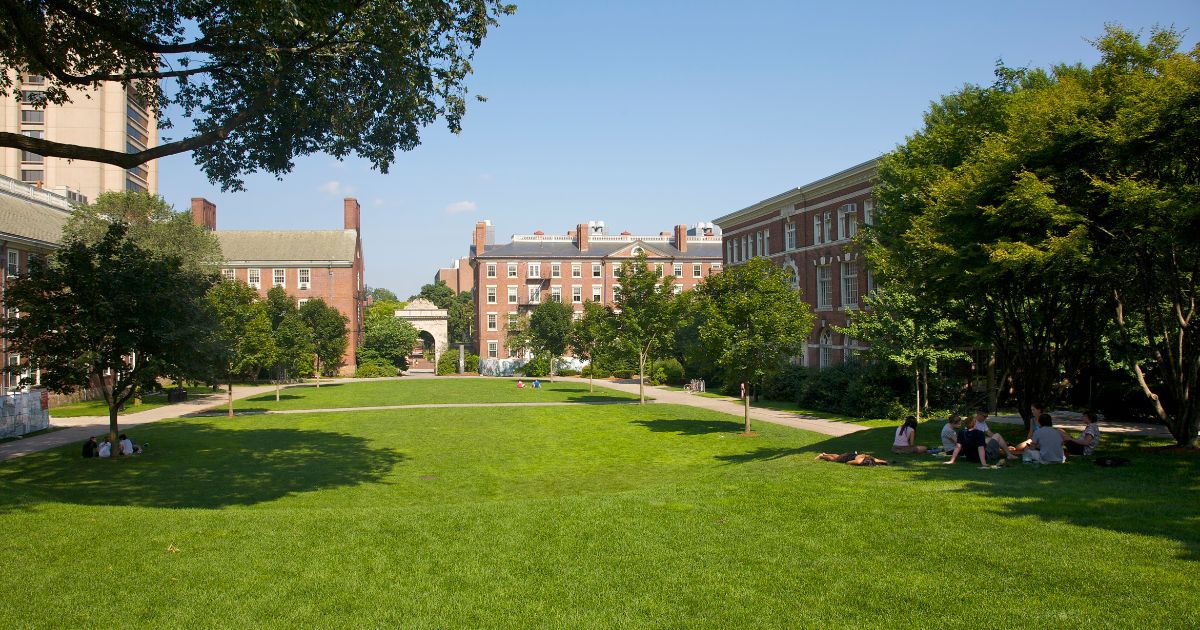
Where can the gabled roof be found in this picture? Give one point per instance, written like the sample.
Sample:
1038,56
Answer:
567,250
27,220
288,245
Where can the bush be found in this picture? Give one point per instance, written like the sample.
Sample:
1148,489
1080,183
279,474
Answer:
537,366
594,371
448,363
568,372
471,363
656,376
375,368
671,369
623,373
786,384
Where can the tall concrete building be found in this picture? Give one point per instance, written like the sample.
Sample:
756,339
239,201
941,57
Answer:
110,117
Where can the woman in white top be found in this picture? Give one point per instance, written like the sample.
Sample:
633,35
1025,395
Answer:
906,438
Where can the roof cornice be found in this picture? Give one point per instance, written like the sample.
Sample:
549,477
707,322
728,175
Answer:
863,172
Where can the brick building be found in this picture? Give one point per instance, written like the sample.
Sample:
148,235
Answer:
515,277
458,276
807,230
326,264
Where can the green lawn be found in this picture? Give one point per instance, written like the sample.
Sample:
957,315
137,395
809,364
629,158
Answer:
426,390
100,408
589,516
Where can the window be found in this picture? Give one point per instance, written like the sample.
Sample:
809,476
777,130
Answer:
826,349
534,270
847,221
14,262
31,158
556,293
227,274
576,270
793,277
869,212
658,269
576,294
555,270
696,270
491,294
677,289
491,270
729,251
678,271
492,346
758,239
33,116
576,316
823,298
32,175
512,321
34,79
747,243
33,97
492,320
736,252
818,229
304,278
870,282
827,227
849,285
279,277
616,270
535,295
596,294
512,270
512,295
596,270
766,243
253,278
789,236
616,293
302,301
714,268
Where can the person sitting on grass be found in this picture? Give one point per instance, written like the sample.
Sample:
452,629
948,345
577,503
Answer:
128,447
906,437
1047,443
949,436
105,449
853,459
537,384
1088,439
974,445
995,441
520,384
89,447
1035,411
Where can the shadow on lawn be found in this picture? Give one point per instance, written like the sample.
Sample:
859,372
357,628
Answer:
691,427
193,465
1156,495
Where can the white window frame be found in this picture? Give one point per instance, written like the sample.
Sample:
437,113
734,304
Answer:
847,221
789,236
576,270
493,321
556,293
697,270
576,294
492,347
254,277
597,293
555,270
849,274
535,295
766,243
533,270
512,270
512,294
597,270
676,289
490,270
660,269
275,278
301,301
616,293
825,349
304,278
677,270
824,287
14,263
228,274
490,294
868,212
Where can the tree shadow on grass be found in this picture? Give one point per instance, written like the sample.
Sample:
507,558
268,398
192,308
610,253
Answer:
762,453
197,465
1156,495
691,427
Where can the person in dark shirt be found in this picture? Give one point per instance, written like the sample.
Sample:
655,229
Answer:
89,447
972,445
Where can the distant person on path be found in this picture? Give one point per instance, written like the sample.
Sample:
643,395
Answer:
974,445
1047,443
105,449
906,437
994,440
1088,439
89,447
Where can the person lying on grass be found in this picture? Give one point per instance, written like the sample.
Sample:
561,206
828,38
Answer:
853,459
974,445
906,437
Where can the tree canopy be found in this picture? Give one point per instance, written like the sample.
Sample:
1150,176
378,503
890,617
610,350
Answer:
645,320
330,332
243,339
259,84
550,330
592,336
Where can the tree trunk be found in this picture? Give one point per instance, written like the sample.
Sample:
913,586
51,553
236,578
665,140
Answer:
551,369
276,388
318,364
746,411
917,386
230,398
925,386
113,430
642,380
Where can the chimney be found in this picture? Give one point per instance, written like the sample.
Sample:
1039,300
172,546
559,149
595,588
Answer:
582,231
352,211
480,240
204,213
681,238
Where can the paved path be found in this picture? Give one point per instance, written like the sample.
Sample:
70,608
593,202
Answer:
1074,421
562,403
732,407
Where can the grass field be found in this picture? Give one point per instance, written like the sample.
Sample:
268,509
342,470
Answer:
100,408
426,391
586,516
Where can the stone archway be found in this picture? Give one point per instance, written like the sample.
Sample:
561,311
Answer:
426,317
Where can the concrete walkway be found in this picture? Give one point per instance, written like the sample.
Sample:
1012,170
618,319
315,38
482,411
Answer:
732,407
563,403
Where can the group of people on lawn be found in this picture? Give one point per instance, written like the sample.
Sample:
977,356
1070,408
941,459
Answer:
976,442
104,449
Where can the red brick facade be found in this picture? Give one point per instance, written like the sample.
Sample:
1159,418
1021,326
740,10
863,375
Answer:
808,230
326,264
458,276
514,278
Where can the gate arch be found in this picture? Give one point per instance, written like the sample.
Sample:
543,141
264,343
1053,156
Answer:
426,317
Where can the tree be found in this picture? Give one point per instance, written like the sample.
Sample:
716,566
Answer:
279,303
380,294
259,86
460,308
754,322
243,333
550,330
644,307
900,329
109,315
389,338
517,337
591,335
437,292
331,335
153,225
293,348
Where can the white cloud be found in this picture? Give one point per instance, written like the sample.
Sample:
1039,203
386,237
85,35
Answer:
458,207
337,188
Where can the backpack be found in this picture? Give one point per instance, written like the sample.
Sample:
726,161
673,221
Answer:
1111,462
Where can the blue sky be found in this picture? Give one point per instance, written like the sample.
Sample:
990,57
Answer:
649,114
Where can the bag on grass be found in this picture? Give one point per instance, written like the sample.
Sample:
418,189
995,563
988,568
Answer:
1111,462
